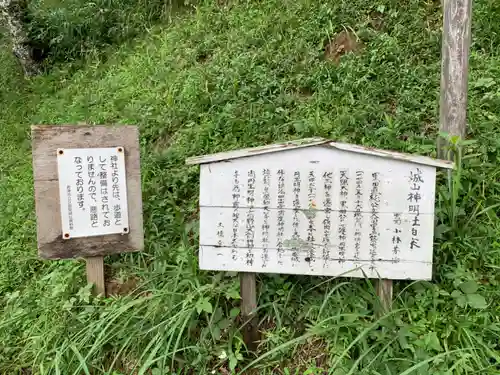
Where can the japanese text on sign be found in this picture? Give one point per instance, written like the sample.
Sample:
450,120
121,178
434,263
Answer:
93,191
319,221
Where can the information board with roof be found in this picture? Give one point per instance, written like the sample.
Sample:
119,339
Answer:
317,207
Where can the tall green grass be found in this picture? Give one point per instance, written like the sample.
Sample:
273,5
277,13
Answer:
239,74
66,30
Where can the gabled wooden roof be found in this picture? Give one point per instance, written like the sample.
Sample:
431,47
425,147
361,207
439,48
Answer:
309,142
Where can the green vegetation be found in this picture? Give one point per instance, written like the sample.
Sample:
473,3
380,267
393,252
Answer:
69,29
232,74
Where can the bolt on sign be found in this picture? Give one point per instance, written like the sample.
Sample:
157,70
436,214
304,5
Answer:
317,207
87,190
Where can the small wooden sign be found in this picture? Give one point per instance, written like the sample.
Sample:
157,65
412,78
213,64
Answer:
87,193
55,172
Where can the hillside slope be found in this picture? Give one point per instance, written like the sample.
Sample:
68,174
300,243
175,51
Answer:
235,74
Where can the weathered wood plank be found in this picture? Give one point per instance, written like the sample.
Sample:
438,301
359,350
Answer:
95,274
46,140
221,259
383,288
457,16
253,151
249,316
392,176
211,219
51,245
320,142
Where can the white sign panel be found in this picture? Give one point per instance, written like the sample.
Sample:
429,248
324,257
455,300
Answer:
318,211
93,191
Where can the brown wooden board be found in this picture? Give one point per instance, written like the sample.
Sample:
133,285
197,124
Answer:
46,139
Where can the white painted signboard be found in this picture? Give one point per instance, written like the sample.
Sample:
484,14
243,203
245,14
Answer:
317,207
93,191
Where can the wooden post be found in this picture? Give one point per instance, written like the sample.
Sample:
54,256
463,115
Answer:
248,310
383,288
454,69
95,274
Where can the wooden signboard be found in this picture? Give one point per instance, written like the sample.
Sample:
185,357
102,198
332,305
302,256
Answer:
87,193
316,207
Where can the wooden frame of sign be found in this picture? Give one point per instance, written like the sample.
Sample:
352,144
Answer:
316,207
105,159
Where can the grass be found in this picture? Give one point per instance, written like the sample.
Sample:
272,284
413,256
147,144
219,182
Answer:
68,30
235,74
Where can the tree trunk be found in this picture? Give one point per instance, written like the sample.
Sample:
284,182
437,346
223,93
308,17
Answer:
13,13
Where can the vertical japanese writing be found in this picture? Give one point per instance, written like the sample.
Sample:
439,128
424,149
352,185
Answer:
311,196
266,201
250,223
93,216
236,214
117,215
80,194
358,214
220,234
70,208
280,225
103,183
327,224
114,177
414,198
295,220
342,234
94,208
374,217
92,190
396,236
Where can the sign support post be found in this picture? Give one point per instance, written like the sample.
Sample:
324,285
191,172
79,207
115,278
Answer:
95,274
249,310
383,288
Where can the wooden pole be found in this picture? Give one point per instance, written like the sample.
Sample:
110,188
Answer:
248,310
454,70
383,288
95,274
